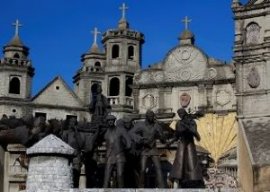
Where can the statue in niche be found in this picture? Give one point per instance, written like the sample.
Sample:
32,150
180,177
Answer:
186,170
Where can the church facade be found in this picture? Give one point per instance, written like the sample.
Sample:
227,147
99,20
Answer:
186,77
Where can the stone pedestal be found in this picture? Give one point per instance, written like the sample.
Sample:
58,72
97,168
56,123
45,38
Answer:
50,165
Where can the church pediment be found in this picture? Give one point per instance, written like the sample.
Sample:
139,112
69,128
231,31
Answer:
182,64
185,63
57,93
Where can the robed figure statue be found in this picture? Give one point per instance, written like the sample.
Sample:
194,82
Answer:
186,169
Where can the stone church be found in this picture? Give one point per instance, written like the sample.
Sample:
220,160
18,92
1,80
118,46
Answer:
233,96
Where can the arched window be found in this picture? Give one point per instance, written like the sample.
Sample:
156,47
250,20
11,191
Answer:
114,86
252,33
131,52
129,82
14,85
115,51
97,64
16,55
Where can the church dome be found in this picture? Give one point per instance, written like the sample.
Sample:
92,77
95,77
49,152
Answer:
186,34
187,38
16,41
94,49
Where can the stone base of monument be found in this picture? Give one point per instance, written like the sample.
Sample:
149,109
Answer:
50,170
141,190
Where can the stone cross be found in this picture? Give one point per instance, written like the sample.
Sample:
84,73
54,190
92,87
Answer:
186,21
123,8
95,32
17,25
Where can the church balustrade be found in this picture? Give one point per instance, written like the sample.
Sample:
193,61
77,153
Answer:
116,100
129,101
94,69
19,62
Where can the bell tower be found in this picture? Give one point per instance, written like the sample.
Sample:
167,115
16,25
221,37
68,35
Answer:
252,61
92,71
16,71
123,48
252,57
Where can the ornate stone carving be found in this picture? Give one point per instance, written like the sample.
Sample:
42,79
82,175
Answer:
149,101
223,97
253,78
212,73
185,100
184,63
252,33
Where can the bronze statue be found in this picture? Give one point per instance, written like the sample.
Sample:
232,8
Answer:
18,131
150,130
99,106
76,141
132,166
117,140
186,168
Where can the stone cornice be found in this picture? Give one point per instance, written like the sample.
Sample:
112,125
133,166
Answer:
240,9
7,67
28,103
183,84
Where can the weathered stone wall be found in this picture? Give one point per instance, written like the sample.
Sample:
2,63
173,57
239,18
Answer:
245,170
2,158
261,178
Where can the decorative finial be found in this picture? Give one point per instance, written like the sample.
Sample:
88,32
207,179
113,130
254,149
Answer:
95,32
123,8
186,21
17,25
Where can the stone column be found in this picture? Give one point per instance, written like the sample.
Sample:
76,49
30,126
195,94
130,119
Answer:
50,167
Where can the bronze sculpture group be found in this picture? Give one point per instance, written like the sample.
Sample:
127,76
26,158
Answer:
129,145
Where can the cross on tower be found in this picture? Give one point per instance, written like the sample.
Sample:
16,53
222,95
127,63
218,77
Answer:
186,21
123,8
17,25
95,32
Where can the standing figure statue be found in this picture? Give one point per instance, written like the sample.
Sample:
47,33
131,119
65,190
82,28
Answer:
150,130
132,166
186,169
99,106
117,140
74,138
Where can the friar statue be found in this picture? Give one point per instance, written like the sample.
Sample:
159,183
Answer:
186,170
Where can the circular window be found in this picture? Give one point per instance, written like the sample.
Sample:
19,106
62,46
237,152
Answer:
14,110
57,87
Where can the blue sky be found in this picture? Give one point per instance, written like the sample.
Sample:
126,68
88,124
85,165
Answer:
58,31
